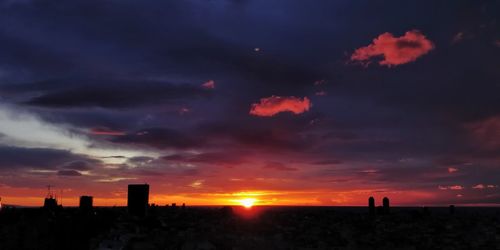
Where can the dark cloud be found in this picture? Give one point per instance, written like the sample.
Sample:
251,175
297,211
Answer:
80,165
13,158
160,138
231,158
110,94
68,173
278,166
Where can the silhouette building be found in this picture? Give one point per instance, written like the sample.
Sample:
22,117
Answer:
371,205
86,203
50,201
452,209
138,199
385,204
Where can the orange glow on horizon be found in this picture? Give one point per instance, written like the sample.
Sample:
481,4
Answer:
245,199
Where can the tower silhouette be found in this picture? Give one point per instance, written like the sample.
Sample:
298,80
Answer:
371,205
50,201
385,204
138,199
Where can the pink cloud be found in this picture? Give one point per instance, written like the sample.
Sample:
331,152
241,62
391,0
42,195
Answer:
319,82
485,133
452,170
210,84
454,187
273,105
105,131
395,50
184,110
482,186
458,37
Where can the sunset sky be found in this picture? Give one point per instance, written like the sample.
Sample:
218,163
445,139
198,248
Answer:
287,102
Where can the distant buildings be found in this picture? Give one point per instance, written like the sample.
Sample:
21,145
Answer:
385,204
384,209
371,205
138,199
86,203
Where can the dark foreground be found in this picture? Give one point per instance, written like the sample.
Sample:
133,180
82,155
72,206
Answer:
256,228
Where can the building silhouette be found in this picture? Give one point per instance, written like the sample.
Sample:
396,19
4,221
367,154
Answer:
452,209
371,205
50,201
385,205
86,203
138,199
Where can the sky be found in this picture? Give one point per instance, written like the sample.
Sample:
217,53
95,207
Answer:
285,102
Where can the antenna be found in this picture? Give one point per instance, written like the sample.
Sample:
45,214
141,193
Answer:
49,193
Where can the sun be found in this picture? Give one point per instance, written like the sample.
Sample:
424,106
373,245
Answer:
247,202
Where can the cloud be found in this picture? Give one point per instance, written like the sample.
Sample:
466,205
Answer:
105,93
273,135
36,158
27,130
210,84
482,186
160,138
458,37
454,187
452,170
485,133
273,105
221,158
68,173
278,166
395,50
105,131
79,165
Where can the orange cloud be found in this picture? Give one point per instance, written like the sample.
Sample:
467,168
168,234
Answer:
395,50
210,84
273,105
105,131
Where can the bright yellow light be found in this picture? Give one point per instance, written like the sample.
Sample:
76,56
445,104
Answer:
248,202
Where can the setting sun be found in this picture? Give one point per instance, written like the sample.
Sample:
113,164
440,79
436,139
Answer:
248,202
